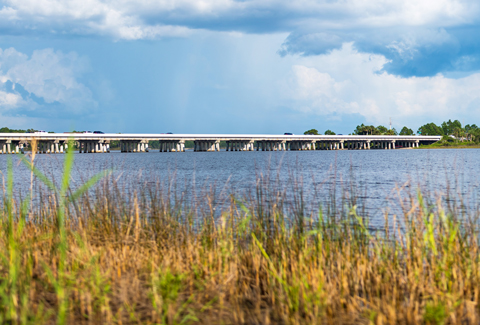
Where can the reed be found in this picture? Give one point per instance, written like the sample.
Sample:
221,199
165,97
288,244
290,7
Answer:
107,255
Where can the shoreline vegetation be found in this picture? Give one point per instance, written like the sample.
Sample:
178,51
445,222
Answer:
453,134
451,146
102,254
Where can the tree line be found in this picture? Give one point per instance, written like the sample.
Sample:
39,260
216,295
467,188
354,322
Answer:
449,129
8,130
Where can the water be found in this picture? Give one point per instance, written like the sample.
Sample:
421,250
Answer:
375,173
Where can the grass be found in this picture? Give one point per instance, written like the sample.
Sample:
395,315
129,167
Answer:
450,143
104,255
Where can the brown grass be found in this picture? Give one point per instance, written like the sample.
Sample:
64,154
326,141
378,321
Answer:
145,258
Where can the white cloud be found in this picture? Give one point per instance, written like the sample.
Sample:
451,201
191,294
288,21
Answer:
348,82
129,19
48,75
9,100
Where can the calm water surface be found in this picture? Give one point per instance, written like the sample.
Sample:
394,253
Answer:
375,173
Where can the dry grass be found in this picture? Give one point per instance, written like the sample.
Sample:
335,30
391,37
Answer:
152,258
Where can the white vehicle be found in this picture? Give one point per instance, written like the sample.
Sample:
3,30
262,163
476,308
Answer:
41,131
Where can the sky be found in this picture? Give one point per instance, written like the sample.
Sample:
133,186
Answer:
224,66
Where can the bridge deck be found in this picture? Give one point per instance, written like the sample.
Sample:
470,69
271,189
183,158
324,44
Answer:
89,142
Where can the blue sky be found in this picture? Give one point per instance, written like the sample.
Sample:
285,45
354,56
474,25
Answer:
223,66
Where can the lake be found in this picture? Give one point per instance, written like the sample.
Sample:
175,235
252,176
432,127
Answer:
373,173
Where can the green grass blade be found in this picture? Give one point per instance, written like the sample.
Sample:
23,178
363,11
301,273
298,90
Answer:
38,173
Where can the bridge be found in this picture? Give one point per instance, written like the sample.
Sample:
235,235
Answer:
100,143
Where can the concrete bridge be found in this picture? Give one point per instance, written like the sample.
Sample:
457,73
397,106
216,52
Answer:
89,143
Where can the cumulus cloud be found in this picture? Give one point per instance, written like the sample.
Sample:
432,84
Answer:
346,81
46,78
419,38
232,15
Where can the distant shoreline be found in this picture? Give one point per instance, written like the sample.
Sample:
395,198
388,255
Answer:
475,146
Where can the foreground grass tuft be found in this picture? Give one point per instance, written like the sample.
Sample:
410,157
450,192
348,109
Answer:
109,256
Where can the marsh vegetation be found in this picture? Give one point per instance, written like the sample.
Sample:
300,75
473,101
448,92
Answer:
101,254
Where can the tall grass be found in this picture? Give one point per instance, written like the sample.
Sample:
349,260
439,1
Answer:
103,255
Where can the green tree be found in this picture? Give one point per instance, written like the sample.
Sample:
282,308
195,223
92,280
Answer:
391,132
359,129
474,135
472,132
471,128
382,129
311,132
449,127
459,133
365,130
406,131
329,132
8,130
430,129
